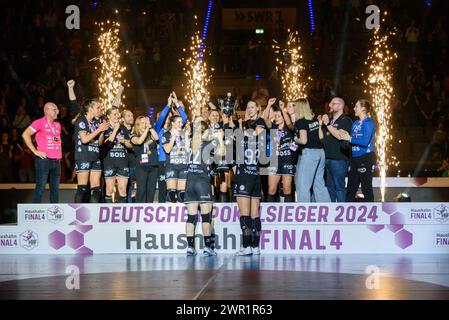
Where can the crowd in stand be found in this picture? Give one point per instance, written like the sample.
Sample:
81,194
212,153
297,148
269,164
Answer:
38,55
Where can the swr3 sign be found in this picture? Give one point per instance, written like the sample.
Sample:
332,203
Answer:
252,18
259,16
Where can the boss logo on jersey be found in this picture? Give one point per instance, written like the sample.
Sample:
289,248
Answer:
178,161
283,153
93,149
117,155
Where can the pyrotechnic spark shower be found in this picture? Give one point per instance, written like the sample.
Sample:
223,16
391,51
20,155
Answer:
379,84
111,70
197,74
290,63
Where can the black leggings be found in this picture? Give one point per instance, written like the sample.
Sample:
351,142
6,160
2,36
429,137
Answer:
146,178
162,185
361,173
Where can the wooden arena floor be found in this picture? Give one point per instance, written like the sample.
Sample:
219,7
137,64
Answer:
226,277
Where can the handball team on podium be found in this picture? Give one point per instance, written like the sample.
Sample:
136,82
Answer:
281,153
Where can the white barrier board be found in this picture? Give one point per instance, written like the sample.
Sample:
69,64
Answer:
287,228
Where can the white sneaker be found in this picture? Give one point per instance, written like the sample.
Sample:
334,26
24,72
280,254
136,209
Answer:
191,251
209,252
255,250
244,252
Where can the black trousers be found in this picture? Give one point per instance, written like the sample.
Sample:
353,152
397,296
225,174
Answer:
146,179
361,172
162,185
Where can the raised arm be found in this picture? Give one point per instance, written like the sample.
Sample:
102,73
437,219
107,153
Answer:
287,118
180,107
73,105
182,112
267,112
160,121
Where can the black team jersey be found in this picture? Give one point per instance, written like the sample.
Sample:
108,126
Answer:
285,141
115,153
248,158
178,155
86,152
199,163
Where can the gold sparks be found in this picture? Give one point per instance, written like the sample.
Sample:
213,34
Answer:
290,62
110,78
379,84
197,74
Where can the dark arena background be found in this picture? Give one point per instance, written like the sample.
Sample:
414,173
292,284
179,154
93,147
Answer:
104,104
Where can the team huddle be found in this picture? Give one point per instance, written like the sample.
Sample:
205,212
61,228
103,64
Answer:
264,155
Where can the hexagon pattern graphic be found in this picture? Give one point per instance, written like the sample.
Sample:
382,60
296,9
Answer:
75,238
56,239
397,218
389,207
82,214
395,227
402,238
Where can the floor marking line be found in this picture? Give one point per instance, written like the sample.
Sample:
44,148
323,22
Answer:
203,289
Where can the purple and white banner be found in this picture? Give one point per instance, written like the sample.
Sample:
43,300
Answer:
287,228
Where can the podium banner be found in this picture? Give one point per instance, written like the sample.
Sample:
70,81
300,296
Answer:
287,228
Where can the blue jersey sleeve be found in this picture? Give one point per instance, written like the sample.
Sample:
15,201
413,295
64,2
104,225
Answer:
183,115
160,121
368,131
